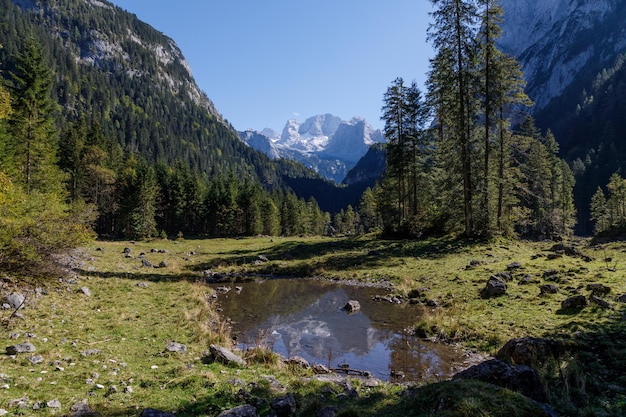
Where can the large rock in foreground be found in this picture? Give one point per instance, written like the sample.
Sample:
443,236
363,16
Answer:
225,356
518,378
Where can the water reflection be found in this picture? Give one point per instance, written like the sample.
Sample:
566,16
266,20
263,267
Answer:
305,318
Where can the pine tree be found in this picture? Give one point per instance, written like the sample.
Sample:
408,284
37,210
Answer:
31,123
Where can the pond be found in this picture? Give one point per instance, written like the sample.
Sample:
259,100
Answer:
305,317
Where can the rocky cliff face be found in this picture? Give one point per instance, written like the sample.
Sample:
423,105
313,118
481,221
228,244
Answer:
558,41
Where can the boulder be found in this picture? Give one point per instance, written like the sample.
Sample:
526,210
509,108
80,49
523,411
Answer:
513,266
176,347
298,362
495,287
548,289
82,409
600,302
225,356
241,411
15,300
20,348
598,289
577,301
284,406
504,276
531,351
352,306
519,378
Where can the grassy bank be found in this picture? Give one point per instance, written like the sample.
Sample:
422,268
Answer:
102,331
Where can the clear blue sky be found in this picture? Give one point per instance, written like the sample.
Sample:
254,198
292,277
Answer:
263,62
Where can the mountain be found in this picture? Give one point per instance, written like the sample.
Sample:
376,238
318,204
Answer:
572,53
370,168
324,143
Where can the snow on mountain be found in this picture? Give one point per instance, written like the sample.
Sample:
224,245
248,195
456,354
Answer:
325,143
556,40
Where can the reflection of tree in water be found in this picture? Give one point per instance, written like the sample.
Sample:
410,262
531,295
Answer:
420,359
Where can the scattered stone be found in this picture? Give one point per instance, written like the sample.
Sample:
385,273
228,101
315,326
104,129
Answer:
352,306
503,276
91,352
151,412
15,300
53,404
20,348
211,277
128,389
82,409
143,285
513,266
284,406
495,287
600,302
525,280
112,390
176,347
162,264
321,369
146,263
621,298
14,335
298,361
519,378
222,290
35,359
241,411
3,412
577,301
431,303
598,289
263,258
548,289
225,356
84,290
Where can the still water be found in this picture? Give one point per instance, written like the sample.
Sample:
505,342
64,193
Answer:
306,318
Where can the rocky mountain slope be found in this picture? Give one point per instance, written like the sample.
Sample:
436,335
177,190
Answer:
324,143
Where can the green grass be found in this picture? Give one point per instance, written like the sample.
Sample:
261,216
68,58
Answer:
125,326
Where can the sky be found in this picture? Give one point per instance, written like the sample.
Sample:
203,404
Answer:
263,62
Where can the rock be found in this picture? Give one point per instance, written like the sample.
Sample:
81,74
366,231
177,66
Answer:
621,298
352,306
577,301
504,276
151,412
146,263
321,369
495,287
263,258
20,348
35,359
241,411
550,273
176,347
298,361
330,411
82,409
15,300
127,250
162,264
548,289
143,285
599,302
90,352
222,289
284,406
531,351
598,289
519,378
225,356
397,374
513,266
525,280
84,290
53,404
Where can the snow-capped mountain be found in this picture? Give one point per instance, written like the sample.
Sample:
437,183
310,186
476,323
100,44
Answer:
325,143
557,41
